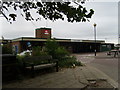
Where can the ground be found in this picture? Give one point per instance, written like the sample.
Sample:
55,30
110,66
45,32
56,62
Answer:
86,76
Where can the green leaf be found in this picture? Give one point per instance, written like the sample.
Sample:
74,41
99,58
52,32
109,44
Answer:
39,4
13,16
52,10
5,8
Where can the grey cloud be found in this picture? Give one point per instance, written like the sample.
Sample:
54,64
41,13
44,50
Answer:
105,16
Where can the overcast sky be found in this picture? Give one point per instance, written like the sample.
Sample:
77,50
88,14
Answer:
105,16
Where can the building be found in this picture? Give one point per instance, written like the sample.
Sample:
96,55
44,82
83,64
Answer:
72,45
44,33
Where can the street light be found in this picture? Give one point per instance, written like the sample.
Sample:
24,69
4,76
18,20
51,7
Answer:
95,36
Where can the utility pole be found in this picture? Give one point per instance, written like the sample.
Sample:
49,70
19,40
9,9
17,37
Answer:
95,37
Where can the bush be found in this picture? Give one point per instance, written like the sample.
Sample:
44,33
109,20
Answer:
61,53
20,58
68,62
37,51
57,52
51,46
6,49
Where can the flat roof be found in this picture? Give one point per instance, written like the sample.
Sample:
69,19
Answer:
5,40
42,28
59,40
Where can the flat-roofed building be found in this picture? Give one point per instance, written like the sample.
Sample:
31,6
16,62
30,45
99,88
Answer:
72,45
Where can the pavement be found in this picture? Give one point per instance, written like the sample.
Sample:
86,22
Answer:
84,77
106,63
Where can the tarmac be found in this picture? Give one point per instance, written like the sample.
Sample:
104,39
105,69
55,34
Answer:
82,77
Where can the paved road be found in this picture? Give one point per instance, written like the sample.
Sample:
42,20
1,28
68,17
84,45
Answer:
107,64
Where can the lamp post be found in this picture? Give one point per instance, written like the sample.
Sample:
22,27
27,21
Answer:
95,36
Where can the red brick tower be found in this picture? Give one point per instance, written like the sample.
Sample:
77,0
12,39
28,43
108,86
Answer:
43,33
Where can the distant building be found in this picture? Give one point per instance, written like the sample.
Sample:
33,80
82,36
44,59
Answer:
75,46
72,45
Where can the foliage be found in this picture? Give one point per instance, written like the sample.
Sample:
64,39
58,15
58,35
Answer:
61,52
68,62
6,49
51,47
19,59
37,51
57,52
48,10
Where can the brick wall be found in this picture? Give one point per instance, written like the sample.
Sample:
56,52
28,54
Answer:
43,33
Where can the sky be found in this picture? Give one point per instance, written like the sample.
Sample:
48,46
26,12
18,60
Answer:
105,16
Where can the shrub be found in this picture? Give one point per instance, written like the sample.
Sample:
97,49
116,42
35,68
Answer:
37,51
20,58
61,53
51,46
6,49
69,61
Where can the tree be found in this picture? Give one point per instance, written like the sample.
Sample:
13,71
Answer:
55,50
51,46
48,10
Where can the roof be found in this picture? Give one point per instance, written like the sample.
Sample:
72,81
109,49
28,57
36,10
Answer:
37,39
42,28
59,40
5,41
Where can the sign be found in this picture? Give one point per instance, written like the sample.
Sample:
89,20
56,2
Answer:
29,44
46,32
